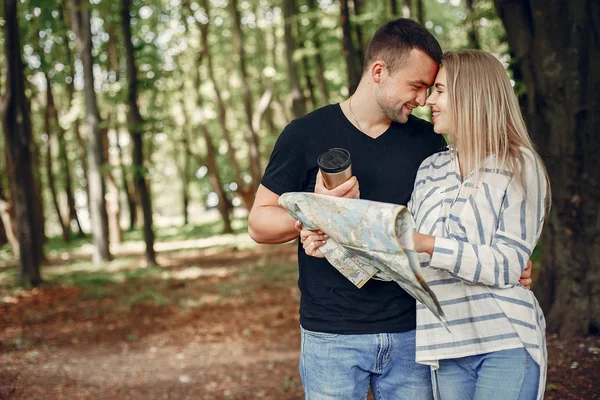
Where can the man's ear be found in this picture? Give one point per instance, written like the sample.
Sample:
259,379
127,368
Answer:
377,70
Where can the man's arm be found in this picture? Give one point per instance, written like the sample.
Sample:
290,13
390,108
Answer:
268,222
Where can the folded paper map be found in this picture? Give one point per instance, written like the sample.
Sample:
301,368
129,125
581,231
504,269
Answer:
367,239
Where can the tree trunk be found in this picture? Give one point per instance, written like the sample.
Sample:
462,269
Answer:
113,206
245,192
70,84
37,190
251,134
7,218
393,8
473,26
96,186
113,209
305,65
557,49
265,84
359,36
318,60
420,12
298,104
126,186
66,167
185,177
18,138
112,49
135,128
210,161
349,50
278,108
50,122
184,167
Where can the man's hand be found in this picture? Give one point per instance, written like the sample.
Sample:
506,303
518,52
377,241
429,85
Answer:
525,280
348,189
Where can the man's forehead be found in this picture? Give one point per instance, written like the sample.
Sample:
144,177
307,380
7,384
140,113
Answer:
421,68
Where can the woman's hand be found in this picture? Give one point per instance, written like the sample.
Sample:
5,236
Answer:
311,240
424,243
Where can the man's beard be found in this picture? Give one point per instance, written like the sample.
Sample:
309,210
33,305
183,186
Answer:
393,113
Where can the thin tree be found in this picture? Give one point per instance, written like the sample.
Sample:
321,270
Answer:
245,191
95,152
298,101
473,27
359,35
135,128
251,135
184,167
393,8
306,69
7,219
420,12
126,186
349,50
278,107
14,110
51,124
70,85
317,58
557,49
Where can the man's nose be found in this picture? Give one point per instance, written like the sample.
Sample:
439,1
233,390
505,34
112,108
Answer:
421,97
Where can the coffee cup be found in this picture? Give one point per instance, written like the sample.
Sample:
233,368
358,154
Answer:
336,167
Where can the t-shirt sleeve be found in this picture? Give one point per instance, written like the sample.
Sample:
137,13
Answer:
286,170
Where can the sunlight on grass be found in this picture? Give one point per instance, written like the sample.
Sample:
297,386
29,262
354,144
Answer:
198,272
176,233
156,298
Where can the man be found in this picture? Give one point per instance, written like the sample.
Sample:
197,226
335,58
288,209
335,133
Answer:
355,338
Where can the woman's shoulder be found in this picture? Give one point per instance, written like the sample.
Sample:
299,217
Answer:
438,161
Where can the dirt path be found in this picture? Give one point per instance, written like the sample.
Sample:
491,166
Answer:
214,325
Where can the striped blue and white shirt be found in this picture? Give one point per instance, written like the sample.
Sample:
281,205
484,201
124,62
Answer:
484,237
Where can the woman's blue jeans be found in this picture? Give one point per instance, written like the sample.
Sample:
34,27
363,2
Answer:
344,366
501,375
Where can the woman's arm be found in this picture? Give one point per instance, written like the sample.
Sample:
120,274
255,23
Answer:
501,263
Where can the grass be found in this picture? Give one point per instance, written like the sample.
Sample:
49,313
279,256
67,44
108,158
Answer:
55,245
176,233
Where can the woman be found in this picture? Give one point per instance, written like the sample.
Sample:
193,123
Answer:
479,209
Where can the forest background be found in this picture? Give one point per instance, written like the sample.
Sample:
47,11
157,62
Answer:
155,119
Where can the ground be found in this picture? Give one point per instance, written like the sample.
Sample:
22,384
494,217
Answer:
218,319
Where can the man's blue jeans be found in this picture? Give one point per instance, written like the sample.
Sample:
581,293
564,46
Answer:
501,375
343,366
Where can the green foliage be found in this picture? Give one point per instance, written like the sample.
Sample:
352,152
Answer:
176,95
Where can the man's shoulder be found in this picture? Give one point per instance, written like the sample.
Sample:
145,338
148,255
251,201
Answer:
308,128
325,114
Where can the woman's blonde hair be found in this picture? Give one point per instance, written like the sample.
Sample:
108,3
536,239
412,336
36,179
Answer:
486,114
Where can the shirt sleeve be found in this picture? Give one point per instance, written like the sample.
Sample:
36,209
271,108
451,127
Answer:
521,217
286,171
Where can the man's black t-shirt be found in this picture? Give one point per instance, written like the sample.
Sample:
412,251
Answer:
385,168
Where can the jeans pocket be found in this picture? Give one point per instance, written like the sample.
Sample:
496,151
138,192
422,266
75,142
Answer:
323,335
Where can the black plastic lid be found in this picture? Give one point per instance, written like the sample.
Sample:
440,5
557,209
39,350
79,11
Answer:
334,160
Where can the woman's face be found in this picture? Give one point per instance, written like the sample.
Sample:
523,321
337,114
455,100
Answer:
438,101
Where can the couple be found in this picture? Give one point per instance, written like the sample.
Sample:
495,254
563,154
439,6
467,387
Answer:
478,209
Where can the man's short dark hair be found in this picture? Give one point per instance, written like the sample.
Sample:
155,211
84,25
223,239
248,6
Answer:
394,40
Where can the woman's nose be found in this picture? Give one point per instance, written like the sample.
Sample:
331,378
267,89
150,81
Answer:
429,100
